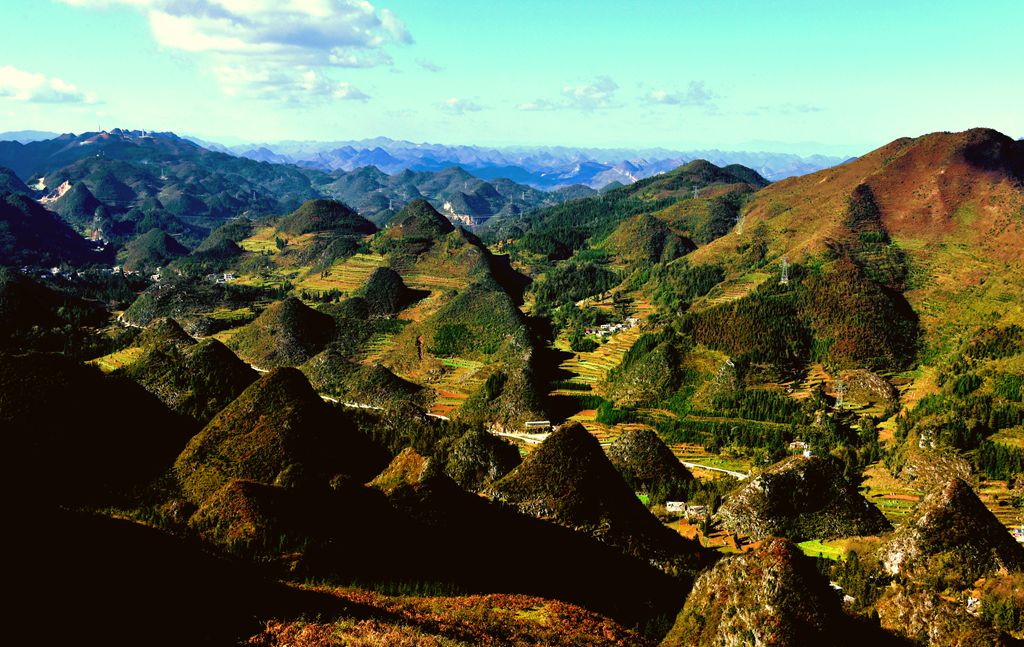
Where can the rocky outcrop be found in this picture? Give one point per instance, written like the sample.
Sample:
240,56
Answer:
951,534
772,596
801,497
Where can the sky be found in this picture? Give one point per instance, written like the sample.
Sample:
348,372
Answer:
780,75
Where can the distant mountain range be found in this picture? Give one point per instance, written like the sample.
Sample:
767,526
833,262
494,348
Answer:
26,136
540,167
115,185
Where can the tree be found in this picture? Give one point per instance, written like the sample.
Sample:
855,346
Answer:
623,305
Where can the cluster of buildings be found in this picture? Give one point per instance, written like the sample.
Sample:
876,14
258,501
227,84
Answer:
226,277
799,446
611,329
683,509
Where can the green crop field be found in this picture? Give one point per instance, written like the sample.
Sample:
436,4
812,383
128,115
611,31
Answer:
118,360
818,548
347,275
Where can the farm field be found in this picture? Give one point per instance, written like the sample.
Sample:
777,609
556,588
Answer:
733,290
347,275
894,498
117,360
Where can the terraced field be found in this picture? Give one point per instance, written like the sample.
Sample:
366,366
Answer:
460,379
592,368
827,549
696,454
431,281
733,290
378,345
999,500
117,360
816,375
894,498
262,241
347,275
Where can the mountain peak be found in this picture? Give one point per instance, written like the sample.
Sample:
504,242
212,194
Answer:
324,215
287,333
771,596
800,498
569,480
419,219
953,531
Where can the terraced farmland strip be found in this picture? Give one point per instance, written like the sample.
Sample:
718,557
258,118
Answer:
893,497
420,281
117,360
734,291
348,275
377,347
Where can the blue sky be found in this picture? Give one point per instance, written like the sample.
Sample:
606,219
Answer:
732,74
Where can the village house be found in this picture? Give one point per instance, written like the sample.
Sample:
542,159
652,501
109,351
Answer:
696,512
611,329
675,507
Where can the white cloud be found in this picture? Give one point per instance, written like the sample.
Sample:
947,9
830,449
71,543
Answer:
459,106
539,104
394,26
600,93
588,96
785,109
428,65
289,85
348,92
37,88
696,94
293,36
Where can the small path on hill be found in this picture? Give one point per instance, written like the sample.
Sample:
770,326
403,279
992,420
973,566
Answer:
737,475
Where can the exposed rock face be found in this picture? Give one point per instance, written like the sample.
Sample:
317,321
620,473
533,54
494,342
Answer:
772,596
927,619
801,498
952,533
863,385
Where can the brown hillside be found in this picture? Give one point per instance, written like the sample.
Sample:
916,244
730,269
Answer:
952,202
969,185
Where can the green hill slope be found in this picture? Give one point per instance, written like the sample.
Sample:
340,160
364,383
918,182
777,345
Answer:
287,333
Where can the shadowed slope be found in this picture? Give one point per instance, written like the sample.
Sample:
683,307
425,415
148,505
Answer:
570,481
277,431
